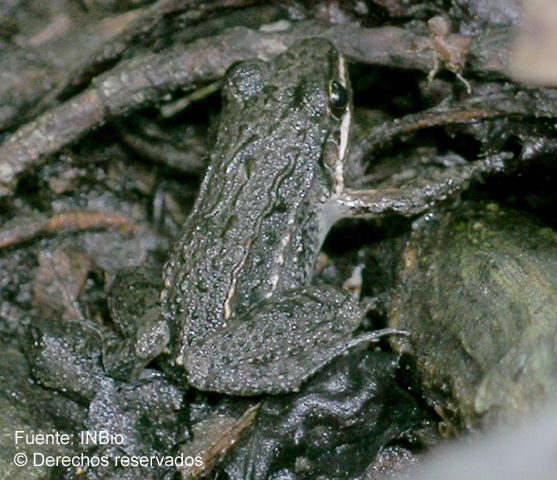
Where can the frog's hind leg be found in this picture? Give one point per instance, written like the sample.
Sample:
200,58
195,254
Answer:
278,344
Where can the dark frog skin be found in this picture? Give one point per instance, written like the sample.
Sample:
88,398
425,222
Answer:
243,317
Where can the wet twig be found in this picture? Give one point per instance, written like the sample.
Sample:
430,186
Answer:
145,21
537,104
23,229
217,437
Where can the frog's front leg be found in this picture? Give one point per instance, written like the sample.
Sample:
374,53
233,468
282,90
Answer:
278,344
410,201
140,332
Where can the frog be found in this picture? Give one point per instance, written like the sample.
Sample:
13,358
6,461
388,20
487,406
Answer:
237,311
243,316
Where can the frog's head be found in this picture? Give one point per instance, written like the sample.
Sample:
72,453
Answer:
298,106
317,84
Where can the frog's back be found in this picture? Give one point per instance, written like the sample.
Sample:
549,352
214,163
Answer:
254,228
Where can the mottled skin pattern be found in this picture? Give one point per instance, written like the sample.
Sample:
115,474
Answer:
241,318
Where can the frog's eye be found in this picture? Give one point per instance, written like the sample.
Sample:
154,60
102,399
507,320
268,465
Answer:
338,98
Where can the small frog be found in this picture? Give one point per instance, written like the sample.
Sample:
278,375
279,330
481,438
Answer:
242,316
236,309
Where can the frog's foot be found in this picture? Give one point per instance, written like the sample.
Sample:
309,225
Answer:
125,359
278,344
